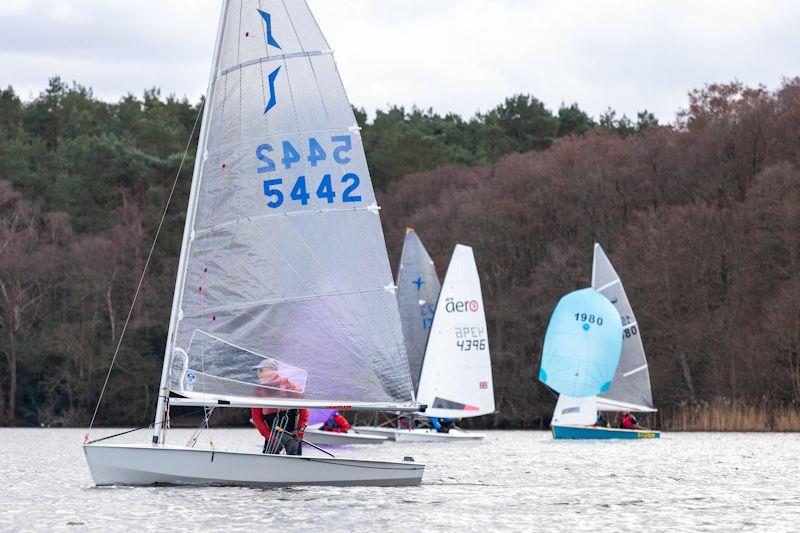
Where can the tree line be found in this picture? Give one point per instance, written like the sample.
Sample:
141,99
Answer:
700,218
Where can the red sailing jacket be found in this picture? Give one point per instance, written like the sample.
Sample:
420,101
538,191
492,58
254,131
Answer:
286,388
337,424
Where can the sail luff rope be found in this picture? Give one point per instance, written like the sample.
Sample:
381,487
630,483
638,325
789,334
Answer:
147,263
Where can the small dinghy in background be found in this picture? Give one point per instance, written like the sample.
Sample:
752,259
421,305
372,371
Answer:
455,379
315,434
431,435
579,404
283,262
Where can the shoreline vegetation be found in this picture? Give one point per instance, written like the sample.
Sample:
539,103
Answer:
730,416
700,217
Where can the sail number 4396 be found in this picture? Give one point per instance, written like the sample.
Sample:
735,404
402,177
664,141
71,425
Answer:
300,189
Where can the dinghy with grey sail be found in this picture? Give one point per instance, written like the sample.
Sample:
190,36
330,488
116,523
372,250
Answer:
630,388
417,293
283,258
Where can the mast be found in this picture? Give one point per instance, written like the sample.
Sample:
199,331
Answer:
159,422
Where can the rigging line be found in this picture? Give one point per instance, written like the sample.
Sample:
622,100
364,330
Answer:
147,263
88,442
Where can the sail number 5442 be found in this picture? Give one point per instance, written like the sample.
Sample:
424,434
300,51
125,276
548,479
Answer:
300,190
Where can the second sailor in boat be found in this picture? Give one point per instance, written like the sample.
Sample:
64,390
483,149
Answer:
282,430
336,423
442,425
629,421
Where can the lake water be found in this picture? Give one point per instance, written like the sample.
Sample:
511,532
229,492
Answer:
515,480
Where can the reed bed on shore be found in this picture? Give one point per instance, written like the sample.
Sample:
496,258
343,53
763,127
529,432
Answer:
729,415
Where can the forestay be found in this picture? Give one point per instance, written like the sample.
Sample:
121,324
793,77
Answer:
286,258
456,379
631,386
582,345
417,292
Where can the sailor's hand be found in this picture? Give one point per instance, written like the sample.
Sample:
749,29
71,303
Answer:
301,430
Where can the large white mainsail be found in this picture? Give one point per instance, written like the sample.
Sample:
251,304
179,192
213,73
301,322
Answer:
456,379
630,389
285,257
417,293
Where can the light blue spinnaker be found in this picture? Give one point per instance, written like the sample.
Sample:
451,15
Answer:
582,345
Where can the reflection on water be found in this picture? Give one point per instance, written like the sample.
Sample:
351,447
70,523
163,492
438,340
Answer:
513,481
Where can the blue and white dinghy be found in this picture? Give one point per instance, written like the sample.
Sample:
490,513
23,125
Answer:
283,262
577,409
450,341
456,377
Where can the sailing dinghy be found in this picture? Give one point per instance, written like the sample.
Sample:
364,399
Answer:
316,435
417,293
575,416
283,259
456,377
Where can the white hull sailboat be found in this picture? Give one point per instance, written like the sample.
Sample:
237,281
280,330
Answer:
176,465
431,435
455,371
350,438
388,432
284,298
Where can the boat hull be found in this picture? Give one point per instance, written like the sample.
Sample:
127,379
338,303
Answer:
592,432
175,465
426,435
389,433
330,438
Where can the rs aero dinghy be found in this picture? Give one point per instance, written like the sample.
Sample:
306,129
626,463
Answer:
455,374
594,358
283,259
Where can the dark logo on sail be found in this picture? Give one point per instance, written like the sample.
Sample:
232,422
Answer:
461,306
273,100
268,22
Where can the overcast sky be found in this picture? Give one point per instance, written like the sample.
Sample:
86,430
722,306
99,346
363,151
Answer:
451,55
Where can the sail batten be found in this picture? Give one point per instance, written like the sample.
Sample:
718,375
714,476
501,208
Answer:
269,59
287,262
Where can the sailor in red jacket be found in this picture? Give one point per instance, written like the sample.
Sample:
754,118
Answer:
336,423
628,421
269,421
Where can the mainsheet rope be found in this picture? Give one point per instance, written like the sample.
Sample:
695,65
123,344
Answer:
146,264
